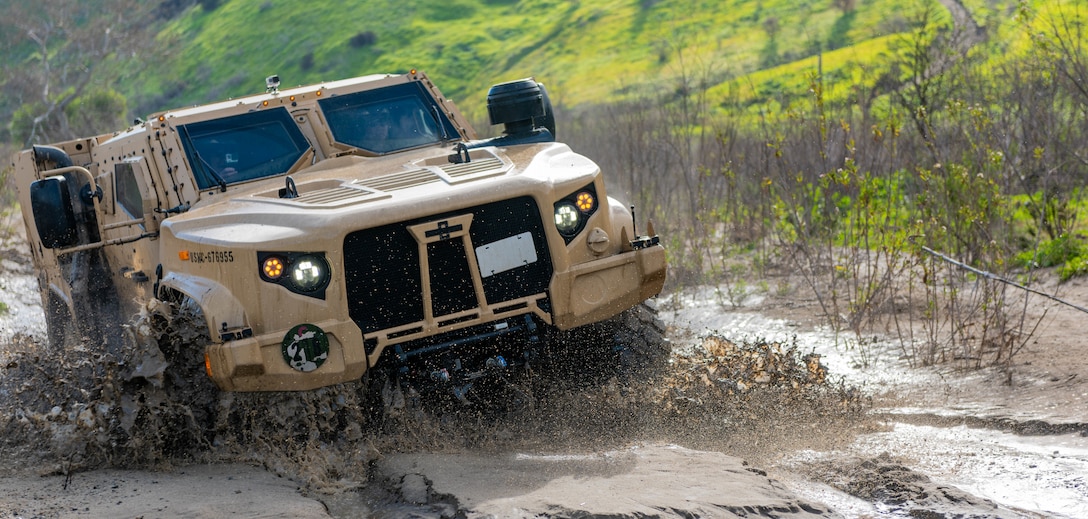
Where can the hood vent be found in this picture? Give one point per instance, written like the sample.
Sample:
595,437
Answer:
413,178
475,169
337,196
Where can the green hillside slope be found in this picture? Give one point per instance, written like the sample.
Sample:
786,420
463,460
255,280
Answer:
588,51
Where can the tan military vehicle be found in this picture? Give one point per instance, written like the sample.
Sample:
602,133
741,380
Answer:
325,230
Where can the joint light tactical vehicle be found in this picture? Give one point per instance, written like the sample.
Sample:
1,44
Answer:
326,230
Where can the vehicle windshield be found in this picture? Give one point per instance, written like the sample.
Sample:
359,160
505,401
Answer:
243,147
386,120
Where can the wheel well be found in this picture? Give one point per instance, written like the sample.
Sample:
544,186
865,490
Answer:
171,295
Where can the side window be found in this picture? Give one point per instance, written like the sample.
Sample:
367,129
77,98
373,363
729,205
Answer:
128,191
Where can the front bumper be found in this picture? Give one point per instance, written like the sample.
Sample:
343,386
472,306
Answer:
594,291
258,364
585,294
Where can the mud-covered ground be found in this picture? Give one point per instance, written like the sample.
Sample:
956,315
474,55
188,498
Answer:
940,441
743,421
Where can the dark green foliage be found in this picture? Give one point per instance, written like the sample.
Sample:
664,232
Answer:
768,57
363,39
1051,253
97,112
838,37
1075,267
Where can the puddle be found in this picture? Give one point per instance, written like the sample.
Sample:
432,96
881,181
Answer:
842,503
1043,474
1038,476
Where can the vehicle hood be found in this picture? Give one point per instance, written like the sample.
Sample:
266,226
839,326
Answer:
342,194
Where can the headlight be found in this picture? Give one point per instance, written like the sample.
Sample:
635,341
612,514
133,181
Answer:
567,218
574,210
309,273
305,273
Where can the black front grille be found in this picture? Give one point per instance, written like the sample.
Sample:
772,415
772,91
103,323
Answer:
451,283
382,266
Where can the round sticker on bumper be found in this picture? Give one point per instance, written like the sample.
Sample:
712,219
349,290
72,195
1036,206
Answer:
305,347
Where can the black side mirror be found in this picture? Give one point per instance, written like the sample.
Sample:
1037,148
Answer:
54,218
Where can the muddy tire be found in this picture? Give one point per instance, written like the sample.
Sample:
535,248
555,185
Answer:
639,340
59,325
182,339
630,345
168,405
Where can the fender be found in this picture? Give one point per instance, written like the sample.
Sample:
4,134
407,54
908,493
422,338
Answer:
621,219
222,311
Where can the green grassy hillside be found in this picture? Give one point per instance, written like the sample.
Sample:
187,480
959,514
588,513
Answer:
760,54
587,51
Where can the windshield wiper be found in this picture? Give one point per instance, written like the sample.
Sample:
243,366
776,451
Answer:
215,174
438,120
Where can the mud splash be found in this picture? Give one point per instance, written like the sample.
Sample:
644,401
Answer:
80,407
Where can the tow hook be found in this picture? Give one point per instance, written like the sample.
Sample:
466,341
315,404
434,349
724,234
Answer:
464,381
496,362
442,375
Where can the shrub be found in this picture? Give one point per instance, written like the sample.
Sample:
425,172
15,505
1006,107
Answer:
1058,251
1077,266
363,39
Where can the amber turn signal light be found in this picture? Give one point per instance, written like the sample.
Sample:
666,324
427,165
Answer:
272,267
585,201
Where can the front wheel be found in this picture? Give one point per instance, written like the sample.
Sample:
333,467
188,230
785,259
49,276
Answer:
632,344
169,405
